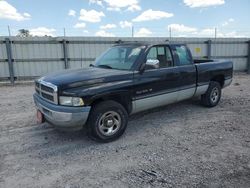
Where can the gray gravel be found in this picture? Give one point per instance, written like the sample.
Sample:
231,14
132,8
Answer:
180,145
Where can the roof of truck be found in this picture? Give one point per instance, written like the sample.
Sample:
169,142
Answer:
144,43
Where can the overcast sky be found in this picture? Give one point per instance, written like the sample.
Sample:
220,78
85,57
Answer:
194,18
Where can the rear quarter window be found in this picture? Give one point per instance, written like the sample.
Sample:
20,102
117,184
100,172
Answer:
183,55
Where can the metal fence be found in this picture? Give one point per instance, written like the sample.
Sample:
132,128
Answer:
27,58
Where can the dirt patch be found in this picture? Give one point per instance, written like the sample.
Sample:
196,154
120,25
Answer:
180,145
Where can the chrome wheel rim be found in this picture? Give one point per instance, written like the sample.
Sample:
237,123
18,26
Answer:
109,123
214,96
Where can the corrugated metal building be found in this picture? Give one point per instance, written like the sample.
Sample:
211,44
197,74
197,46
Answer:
36,56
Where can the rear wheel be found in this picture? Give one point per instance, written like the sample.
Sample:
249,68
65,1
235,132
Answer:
107,122
212,97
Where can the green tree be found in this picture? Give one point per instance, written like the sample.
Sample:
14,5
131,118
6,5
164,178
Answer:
23,33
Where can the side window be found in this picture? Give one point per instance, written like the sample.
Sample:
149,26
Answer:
161,50
152,62
183,55
159,57
152,54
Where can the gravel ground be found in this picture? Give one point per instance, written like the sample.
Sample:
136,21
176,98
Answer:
180,145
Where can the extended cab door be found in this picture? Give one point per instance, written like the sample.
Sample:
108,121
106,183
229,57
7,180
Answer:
187,72
158,84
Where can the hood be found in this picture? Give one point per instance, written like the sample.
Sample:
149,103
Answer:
83,77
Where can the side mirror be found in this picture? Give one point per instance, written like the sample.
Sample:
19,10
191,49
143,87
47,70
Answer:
150,64
153,62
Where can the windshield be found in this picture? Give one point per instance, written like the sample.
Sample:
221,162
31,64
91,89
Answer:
119,57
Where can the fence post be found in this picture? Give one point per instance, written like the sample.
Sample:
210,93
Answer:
10,60
65,54
248,58
209,48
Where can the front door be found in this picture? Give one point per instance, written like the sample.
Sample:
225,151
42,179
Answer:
158,84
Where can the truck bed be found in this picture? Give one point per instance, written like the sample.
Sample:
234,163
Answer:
207,69
198,61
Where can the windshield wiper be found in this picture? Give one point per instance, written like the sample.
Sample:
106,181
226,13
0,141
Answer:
91,65
105,66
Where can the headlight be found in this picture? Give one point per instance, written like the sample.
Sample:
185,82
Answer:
71,101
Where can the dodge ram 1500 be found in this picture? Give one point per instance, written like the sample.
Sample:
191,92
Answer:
126,79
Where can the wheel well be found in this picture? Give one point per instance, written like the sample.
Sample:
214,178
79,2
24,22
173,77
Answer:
220,79
121,99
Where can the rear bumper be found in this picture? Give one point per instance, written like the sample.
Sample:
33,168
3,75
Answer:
62,117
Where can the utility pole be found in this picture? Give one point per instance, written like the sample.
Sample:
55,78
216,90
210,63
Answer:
215,36
132,31
9,31
170,33
64,32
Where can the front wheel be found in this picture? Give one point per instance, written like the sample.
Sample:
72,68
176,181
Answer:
212,97
107,122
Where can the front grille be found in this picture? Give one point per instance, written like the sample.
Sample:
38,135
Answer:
37,84
37,90
46,88
46,96
47,91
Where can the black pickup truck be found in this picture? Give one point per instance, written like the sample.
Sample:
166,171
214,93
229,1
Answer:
126,79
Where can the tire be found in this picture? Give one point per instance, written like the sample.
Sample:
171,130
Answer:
212,97
107,121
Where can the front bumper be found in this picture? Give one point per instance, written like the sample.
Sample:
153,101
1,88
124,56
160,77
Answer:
63,117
